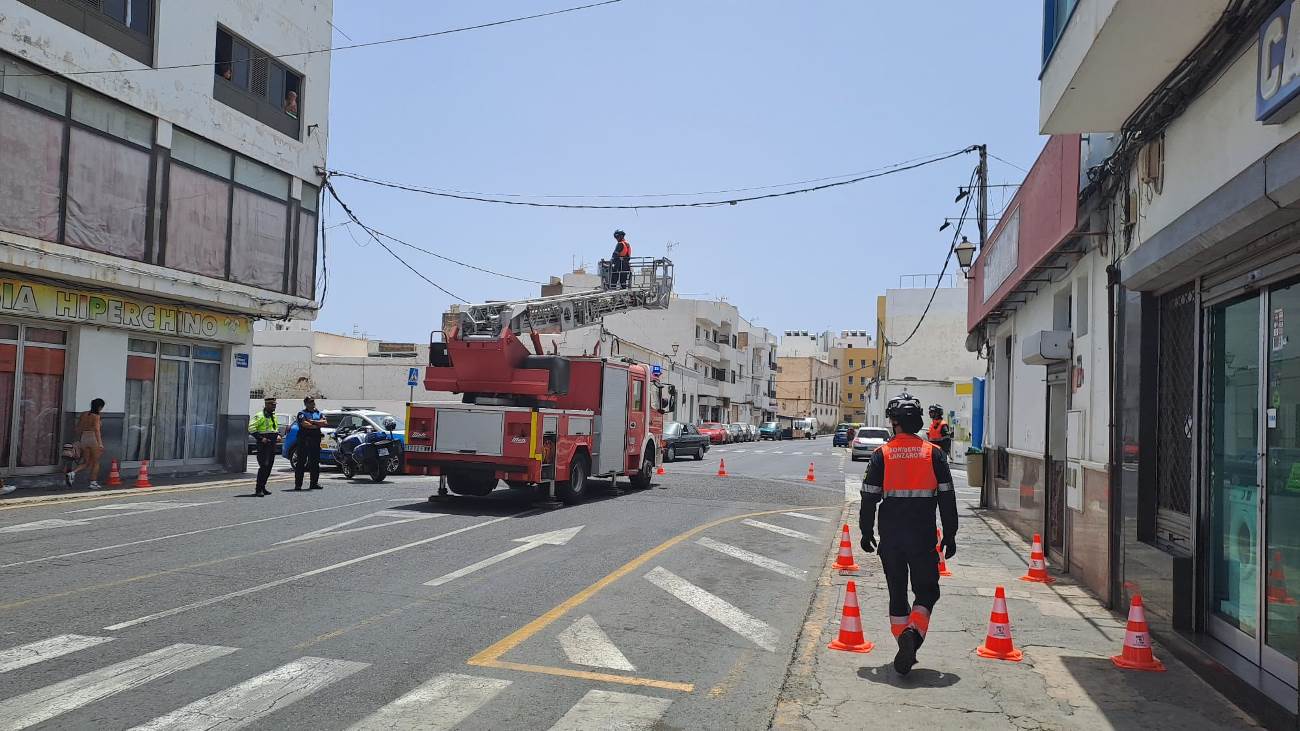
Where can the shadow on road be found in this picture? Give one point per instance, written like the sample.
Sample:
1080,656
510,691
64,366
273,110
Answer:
918,678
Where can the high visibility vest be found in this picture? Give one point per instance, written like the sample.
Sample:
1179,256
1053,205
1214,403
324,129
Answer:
624,249
262,424
909,467
936,430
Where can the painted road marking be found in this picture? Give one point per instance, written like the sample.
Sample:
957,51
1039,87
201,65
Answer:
439,704
779,530
852,489
126,509
716,608
187,533
796,453
30,654
772,564
585,643
55,700
393,517
147,506
304,575
806,516
552,538
610,711
241,705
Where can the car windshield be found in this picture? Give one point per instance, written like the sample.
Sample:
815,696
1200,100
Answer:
672,429
844,427
873,434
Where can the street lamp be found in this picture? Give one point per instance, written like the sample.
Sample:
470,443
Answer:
965,255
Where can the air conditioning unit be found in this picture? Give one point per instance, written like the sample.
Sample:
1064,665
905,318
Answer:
1046,347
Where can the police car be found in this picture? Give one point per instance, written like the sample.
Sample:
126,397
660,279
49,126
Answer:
346,419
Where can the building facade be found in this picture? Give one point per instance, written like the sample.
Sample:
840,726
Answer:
149,215
723,365
808,387
853,353
1203,246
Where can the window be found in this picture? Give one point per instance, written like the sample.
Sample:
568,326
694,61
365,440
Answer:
305,272
173,393
850,380
836,362
248,79
124,25
638,396
850,362
1056,14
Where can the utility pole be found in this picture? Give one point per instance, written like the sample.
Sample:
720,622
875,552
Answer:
982,175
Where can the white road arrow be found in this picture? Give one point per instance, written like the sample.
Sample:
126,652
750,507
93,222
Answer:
553,538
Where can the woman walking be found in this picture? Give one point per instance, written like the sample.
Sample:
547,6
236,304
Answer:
91,440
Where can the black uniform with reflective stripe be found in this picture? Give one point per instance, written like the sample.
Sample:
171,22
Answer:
907,523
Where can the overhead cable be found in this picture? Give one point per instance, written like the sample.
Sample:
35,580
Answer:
695,204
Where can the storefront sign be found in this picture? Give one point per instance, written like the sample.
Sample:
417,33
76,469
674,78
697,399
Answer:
1277,88
1002,255
55,302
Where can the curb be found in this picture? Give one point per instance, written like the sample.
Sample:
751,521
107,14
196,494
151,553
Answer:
14,503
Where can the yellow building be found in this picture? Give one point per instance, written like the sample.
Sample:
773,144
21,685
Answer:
854,353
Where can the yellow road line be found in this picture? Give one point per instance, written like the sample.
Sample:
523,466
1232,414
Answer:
491,657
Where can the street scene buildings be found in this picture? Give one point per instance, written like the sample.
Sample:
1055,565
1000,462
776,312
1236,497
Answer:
304,424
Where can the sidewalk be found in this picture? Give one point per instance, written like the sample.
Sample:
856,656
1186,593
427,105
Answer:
52,494
1066,680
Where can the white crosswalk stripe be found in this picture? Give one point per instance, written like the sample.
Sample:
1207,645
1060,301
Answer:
439,704
585,643
716,608
779,530
241,705
55,700
806,516
610,711
30,654
737,552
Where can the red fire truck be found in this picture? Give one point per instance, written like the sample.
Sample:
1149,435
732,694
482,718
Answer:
536,420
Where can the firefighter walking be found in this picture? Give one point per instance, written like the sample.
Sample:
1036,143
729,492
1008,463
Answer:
908,479
939,433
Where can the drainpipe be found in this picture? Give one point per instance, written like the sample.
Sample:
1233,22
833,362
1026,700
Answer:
1114,470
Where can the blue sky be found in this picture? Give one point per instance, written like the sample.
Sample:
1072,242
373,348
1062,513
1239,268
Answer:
655,96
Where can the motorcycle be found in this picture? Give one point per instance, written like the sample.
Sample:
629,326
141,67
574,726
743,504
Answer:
367,451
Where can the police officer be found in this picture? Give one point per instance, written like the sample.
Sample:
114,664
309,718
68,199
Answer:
266,432
309,422
939,432
621,261
908,479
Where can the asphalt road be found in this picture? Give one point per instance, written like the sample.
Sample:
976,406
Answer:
368,606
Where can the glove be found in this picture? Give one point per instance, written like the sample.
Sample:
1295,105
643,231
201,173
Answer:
868,544
949,547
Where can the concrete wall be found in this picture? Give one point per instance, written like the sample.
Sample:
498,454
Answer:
938,350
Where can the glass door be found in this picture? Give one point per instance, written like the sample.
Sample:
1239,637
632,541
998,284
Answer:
1281,556
1233,470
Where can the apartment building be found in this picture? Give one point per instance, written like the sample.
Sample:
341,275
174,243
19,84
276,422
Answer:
723,365
1198,228
808,386
853,353
150,211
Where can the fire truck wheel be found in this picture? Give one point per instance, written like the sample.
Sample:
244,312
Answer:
575,490
641,480
472,485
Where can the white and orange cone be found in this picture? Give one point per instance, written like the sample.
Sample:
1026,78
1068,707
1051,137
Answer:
845,561
811,476
851,638
142,480
1037,564
660,471
938,548
722,468
1137,653
997,643
114,474
1275,590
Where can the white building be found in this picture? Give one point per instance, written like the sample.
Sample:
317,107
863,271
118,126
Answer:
933,364
724,366
806,344
149,215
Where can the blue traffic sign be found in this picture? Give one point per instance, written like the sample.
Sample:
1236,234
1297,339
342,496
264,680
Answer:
413,376
656,370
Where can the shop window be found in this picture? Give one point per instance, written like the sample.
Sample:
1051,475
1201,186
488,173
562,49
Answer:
30,156
141,378
258,240
108,195
40,397
173,400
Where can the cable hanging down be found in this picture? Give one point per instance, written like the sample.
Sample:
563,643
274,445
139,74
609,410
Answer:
695,204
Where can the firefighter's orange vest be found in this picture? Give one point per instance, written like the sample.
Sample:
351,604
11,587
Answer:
936,430
625,249
909,467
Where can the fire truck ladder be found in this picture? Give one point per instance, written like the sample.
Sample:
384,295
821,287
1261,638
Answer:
648,285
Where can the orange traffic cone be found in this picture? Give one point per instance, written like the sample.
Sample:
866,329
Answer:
1137,642
114,476
811,477
1276,590
851,639
1037,564
844,561
722,468
997,643
142,480
660,471
938,548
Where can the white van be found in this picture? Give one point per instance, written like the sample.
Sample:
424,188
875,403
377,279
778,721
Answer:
805,428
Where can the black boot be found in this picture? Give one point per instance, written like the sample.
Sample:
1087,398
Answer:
908,641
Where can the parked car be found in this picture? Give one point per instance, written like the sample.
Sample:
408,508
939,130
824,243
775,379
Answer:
769,430
348,420
740,431
683,439
734,433
753,432
844,434
717,433
868,440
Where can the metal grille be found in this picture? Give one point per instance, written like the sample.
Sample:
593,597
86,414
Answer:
1176,384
